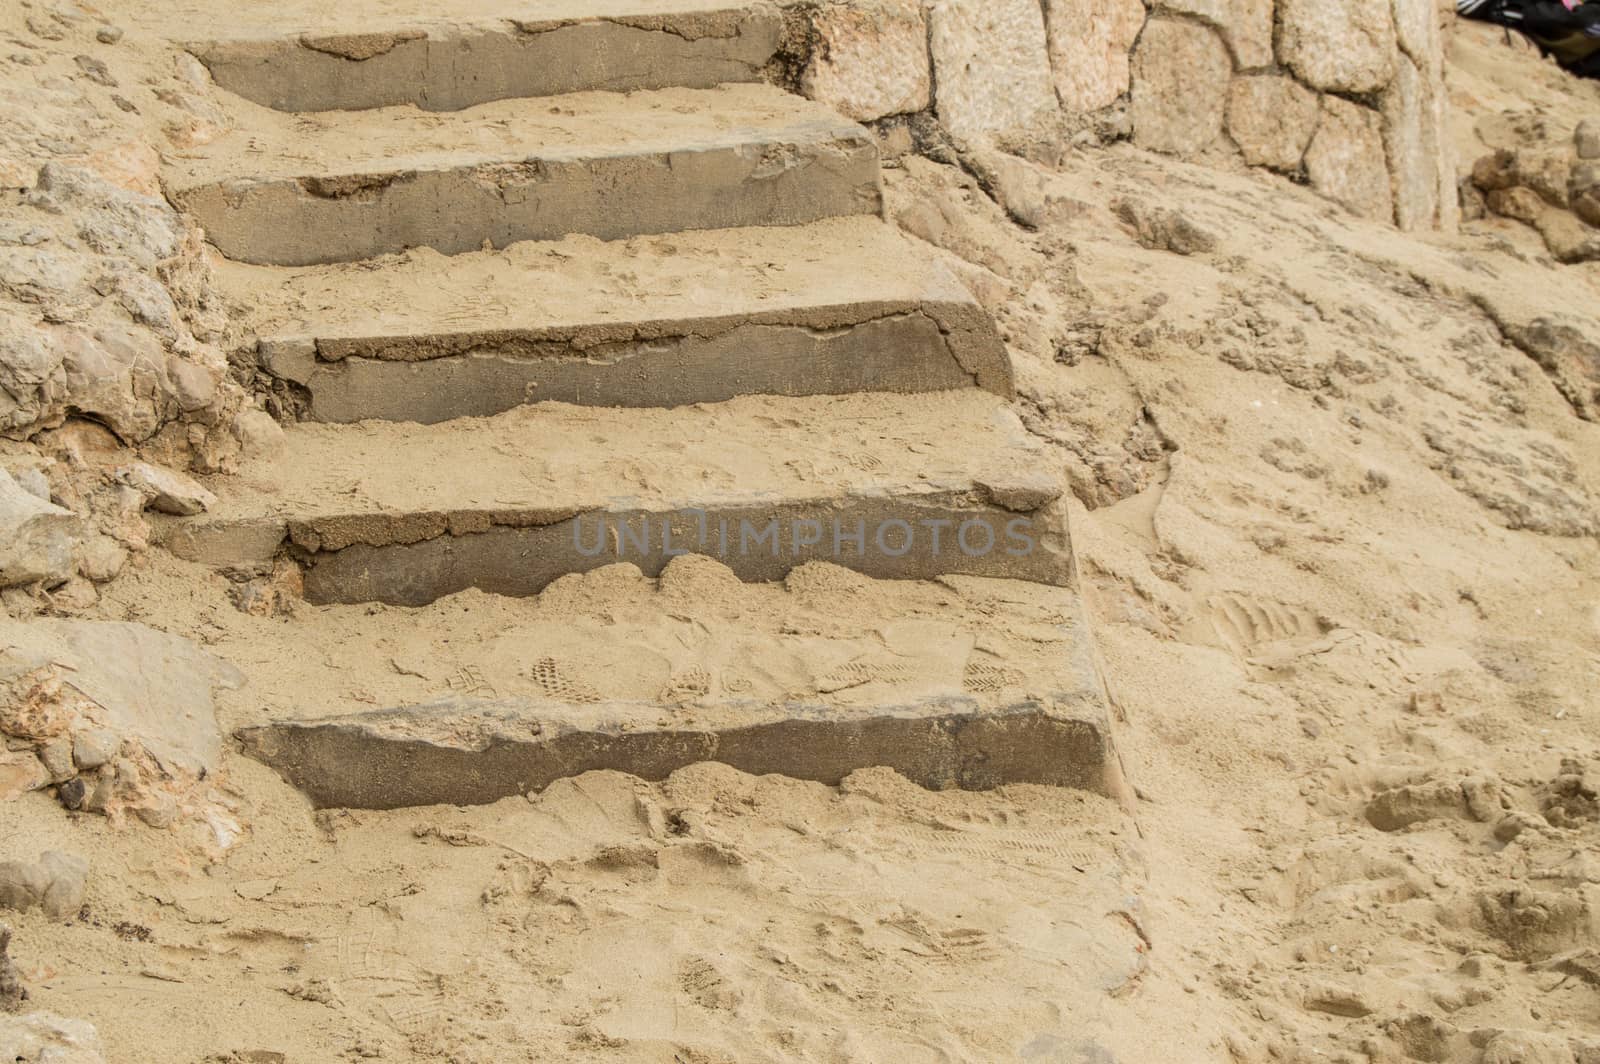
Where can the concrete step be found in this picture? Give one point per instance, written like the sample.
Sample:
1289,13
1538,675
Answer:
842,305
296,190
964,682
459,53
893,486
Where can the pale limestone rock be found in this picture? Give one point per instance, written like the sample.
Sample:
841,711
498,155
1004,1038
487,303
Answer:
1338,45
1245,26
21,772
1411,140
1346,160
1271,118
37,538
166,491
991,68
44,1038
1180,87
258,434
870,59
1090,41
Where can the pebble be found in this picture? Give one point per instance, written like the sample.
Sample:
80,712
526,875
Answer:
108,34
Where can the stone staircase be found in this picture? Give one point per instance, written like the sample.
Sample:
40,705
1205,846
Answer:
533,326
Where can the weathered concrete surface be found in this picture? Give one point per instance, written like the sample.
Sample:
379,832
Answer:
450,67
471,753
337,187
406,513
840,306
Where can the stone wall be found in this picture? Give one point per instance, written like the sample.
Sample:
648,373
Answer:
1346,96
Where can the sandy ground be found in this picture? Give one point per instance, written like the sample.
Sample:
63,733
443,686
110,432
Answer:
1338,537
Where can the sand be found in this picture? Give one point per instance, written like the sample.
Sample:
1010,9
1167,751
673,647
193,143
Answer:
1336,534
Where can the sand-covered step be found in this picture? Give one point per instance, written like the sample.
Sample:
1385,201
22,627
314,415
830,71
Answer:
896,486
843,305
343,185
964,682
450,54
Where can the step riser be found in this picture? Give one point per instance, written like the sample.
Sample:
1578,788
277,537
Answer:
284,223
452,69
938,745
412,560
933,349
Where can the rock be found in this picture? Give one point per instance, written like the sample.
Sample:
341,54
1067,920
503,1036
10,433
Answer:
44,1038
1338,45
991,68
1271,119
1337,1000
1586,139
1346,160
30,383
93,747
258,433
22,884
1411,140
157,811
1244,25
37,538
1016,185
1163,229
1527,1047
1568,239
1090,41
54,883
193,385
21,772
108,34
12,994
870,59
33,482
72,793
1180,87
145,686
1522,204
166,491
68,876
101,558
56,756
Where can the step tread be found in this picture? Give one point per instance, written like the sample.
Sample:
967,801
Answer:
205,20
270,146
558,458
822,674
823,275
